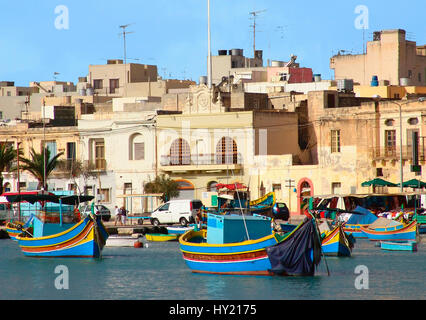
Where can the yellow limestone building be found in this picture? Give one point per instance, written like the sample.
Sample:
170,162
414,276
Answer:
205,145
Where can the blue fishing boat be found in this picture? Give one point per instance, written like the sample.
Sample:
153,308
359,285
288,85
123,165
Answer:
399,245
337,243
398,232
238,245
180,230
263,205
86,239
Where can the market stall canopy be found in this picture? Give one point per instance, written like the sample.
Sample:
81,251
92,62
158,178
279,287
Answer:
74,200
413,183
378,183
232,186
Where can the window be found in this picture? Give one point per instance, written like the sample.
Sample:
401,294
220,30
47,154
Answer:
1,114
104,195
276,188
127,188
165,207
100,163
410,74
211,186
335,141
139,151
336,187
379,172
98,84
113,85
70,150
226,151
390,142
180,152
420,77
331,102
51,146
136,147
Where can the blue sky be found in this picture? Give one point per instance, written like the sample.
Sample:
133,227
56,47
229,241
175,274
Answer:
172,34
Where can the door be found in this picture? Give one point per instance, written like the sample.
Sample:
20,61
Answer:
163,214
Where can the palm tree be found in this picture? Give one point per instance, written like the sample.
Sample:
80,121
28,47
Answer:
7,157
41,166
163,184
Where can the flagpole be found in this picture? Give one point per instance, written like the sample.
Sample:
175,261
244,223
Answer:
209,63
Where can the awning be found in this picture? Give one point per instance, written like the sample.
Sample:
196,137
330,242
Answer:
378,183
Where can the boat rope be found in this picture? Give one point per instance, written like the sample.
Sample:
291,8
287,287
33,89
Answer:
241,208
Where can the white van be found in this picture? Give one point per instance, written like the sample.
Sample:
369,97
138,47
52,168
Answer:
176,211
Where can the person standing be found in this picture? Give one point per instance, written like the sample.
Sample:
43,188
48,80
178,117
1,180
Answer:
123,215
117,215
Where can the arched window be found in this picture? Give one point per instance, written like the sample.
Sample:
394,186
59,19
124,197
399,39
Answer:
211,186
226,151
186,189
180,153
136,147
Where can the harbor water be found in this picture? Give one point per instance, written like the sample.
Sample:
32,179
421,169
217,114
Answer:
158,272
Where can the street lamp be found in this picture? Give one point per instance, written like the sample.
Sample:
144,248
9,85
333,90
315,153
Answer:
378,98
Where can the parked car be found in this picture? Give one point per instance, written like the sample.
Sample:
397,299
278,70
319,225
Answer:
280,211
100,210
176,211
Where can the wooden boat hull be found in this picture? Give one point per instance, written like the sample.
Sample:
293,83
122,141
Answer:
395,233
399,246
84,240
355,230
122,241
179,230
158,237
13,233
263,205
336,243
244,258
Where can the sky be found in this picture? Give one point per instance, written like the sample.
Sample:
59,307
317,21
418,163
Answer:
39,38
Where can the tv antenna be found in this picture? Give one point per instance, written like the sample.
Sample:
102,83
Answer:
255,14
124,33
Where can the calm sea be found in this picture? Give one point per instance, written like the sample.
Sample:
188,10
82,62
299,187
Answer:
159,272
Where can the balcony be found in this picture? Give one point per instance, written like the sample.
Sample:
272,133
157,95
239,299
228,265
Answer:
96,165
393,153
201,162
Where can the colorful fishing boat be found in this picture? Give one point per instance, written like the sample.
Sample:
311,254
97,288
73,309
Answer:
264,204
259,251
337,243
421,222
180,230
123,241
159,237
86,239
18,228
392,233
399,245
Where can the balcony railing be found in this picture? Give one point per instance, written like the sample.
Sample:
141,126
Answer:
96,165
393,153
202,159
